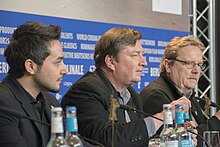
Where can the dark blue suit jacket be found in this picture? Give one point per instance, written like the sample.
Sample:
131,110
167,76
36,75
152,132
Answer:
20,132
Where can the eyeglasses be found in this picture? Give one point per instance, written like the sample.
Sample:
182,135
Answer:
191,64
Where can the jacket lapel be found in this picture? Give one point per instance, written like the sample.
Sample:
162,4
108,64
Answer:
22,97
196,111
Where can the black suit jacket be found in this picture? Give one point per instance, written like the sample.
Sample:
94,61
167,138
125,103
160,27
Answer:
162,91
91,95
20,132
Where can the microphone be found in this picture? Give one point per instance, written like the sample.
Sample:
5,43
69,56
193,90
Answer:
130,108
211,103
20,115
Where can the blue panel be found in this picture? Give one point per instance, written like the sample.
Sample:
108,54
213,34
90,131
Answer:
79,38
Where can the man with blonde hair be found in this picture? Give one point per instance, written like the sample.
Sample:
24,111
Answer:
180,71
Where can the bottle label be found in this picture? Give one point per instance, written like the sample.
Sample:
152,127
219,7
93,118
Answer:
171,143
186,115
168,118
190,139
179,117
185,143
71,124
57,125
162,144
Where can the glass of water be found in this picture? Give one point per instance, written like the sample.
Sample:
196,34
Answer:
212,139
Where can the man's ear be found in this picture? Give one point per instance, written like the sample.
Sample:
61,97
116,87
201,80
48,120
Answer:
30,66
109,61
167,65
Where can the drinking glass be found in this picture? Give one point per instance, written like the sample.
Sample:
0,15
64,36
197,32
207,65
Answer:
212,139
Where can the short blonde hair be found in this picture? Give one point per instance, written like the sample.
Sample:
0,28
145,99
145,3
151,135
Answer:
173,47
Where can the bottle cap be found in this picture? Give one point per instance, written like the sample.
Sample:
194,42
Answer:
166,105
68,108
178,105
57,109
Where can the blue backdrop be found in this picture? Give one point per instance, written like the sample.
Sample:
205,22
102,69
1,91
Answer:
78,40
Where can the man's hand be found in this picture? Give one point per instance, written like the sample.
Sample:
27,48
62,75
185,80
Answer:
184,101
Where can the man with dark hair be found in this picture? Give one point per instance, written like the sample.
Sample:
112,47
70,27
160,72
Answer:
35,57
180,69
119,60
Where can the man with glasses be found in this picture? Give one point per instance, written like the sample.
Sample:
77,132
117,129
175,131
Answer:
180,71
97,94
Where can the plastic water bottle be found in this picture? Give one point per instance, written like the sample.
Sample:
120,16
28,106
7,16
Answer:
183,135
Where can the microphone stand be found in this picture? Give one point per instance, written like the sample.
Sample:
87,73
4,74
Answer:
114,104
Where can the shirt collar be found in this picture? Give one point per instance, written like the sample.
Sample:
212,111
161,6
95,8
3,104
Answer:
125,95
188,94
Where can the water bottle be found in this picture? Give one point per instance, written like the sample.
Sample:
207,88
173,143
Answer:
57,132
168,137
181,132
72,128
188,127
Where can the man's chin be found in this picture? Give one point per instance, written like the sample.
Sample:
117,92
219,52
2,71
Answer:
136,81
190,87
55,90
